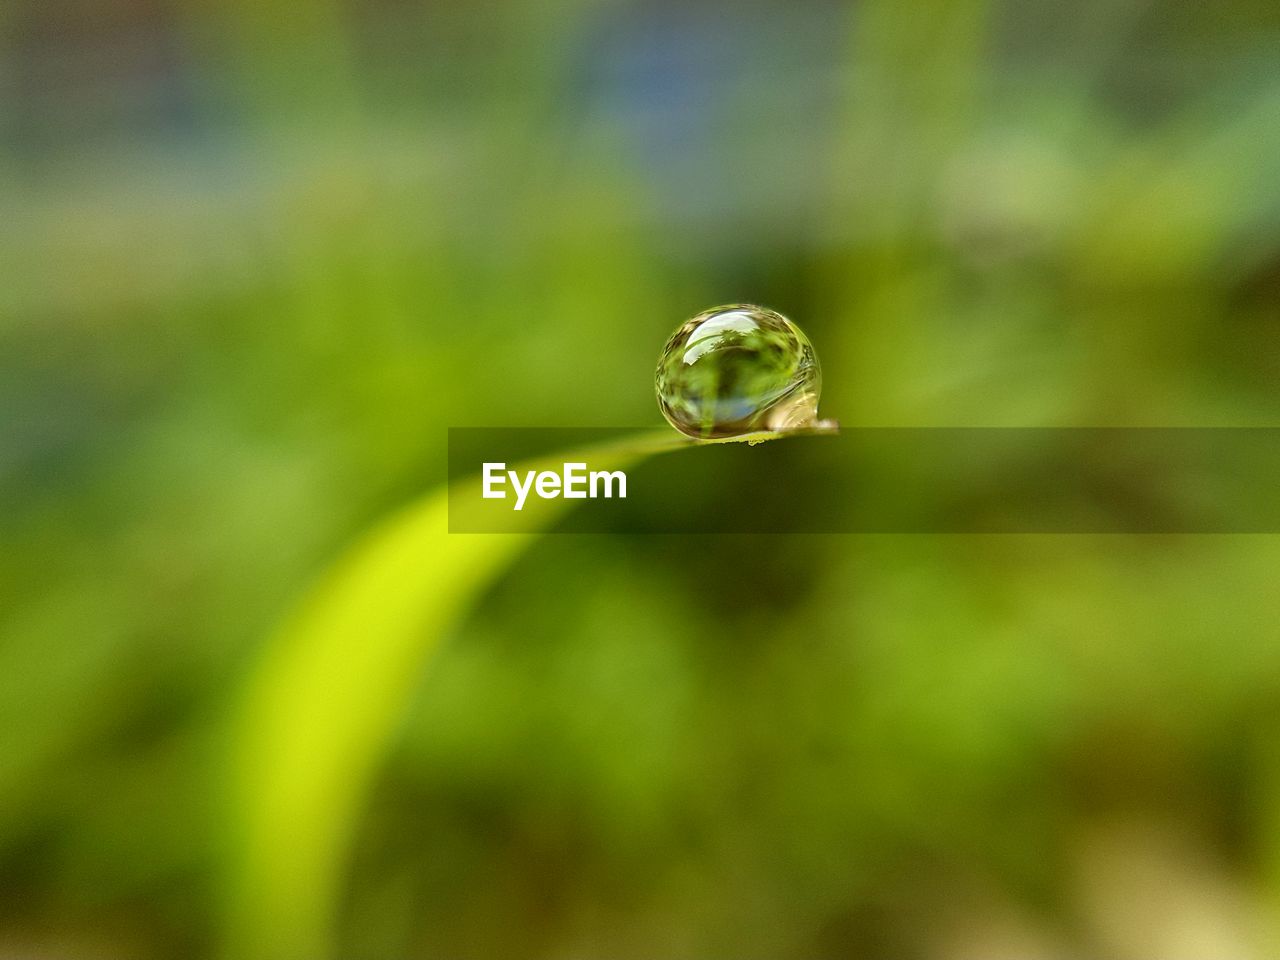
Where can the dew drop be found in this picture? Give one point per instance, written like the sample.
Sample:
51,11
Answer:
738,369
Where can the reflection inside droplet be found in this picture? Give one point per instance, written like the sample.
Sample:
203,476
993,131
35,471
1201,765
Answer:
738,369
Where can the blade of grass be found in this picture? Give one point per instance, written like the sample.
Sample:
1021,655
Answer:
323,702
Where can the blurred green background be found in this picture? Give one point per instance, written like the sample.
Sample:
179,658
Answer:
255,257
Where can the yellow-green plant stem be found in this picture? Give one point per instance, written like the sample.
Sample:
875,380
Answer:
322,703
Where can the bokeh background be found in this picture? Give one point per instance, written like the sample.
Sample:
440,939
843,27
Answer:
255,257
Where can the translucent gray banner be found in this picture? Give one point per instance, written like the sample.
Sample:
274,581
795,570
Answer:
869,480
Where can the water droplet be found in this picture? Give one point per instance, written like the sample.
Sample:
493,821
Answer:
738,369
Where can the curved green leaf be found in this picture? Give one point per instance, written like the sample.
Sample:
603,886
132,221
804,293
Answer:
323,703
